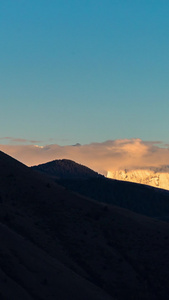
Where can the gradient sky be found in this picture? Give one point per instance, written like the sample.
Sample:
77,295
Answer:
84,71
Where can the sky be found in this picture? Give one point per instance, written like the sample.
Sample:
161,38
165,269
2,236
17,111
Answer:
84,71
87,72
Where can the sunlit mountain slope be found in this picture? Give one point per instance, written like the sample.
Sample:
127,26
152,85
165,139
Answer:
153,177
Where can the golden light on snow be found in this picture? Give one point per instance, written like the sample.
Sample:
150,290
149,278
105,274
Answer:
155,177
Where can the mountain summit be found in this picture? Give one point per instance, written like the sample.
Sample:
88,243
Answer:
64,168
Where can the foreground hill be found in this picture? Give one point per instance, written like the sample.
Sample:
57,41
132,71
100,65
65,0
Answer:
27,272
58,245
65,168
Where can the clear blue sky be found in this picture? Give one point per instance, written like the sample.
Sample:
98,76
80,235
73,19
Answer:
83,71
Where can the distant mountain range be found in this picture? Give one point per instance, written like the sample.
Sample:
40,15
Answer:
139,198
68,169
157,177
58,244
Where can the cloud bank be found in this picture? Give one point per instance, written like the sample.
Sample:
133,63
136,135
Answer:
101,157
12,140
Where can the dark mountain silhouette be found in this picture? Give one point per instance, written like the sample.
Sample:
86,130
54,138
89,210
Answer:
58,245
139,198
64,168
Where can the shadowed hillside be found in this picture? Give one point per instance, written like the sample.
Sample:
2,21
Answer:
55,243
136,197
